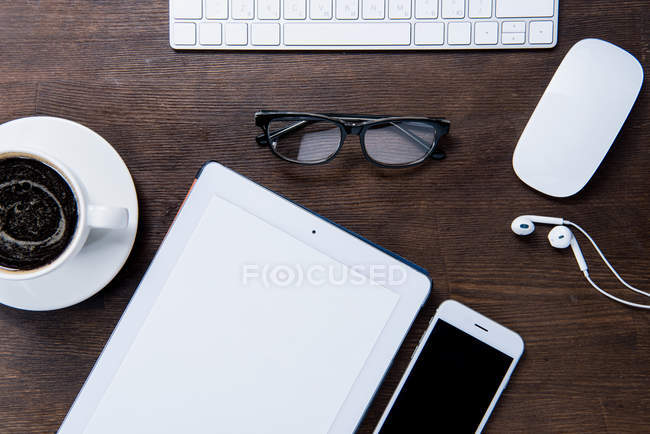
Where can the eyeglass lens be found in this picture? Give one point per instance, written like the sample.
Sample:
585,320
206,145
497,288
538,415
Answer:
304,140
399,142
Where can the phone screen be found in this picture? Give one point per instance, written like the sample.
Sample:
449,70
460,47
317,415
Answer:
450,386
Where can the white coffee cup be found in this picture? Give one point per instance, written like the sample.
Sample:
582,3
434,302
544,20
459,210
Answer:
89,216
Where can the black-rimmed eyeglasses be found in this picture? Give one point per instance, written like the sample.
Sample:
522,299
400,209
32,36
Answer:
312,138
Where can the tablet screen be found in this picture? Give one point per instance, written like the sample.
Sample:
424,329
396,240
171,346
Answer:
253,332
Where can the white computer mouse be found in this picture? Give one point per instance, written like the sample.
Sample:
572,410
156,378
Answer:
577,118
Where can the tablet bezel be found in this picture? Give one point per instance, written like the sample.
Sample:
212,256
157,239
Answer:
300,223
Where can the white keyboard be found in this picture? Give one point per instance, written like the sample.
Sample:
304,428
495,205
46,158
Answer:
362,24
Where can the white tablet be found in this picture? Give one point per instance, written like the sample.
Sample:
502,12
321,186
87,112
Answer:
255,316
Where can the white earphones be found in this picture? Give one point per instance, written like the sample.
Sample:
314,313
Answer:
561,237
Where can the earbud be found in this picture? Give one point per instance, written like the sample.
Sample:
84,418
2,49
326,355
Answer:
561,237
525,224
522,226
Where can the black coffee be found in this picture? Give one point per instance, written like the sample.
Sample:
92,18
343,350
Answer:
38,214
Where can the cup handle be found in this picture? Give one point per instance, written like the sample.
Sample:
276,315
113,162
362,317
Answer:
107,217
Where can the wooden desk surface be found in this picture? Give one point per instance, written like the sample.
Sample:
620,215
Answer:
108,65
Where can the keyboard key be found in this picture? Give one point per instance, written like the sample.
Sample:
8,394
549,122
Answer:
268,9
189,9
524,8
459,33
242,9
513,27
453,8
320,9
373,9
236,34
429,33
541,32
184,33
210,34
347,9
265,34
295,9
486,33
513,38
342,34
216,9
399,9
426,9
480,8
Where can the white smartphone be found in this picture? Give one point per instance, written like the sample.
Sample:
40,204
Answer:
456,374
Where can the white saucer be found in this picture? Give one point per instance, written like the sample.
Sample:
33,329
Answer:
107,181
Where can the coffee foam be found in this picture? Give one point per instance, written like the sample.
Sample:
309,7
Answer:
29,208
5,238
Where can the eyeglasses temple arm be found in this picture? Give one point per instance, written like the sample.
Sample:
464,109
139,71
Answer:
436,155
262,140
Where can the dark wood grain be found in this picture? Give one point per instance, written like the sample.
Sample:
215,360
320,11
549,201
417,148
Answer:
108,65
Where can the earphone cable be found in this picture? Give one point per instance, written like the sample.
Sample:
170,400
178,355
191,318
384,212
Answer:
611,268
608,295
